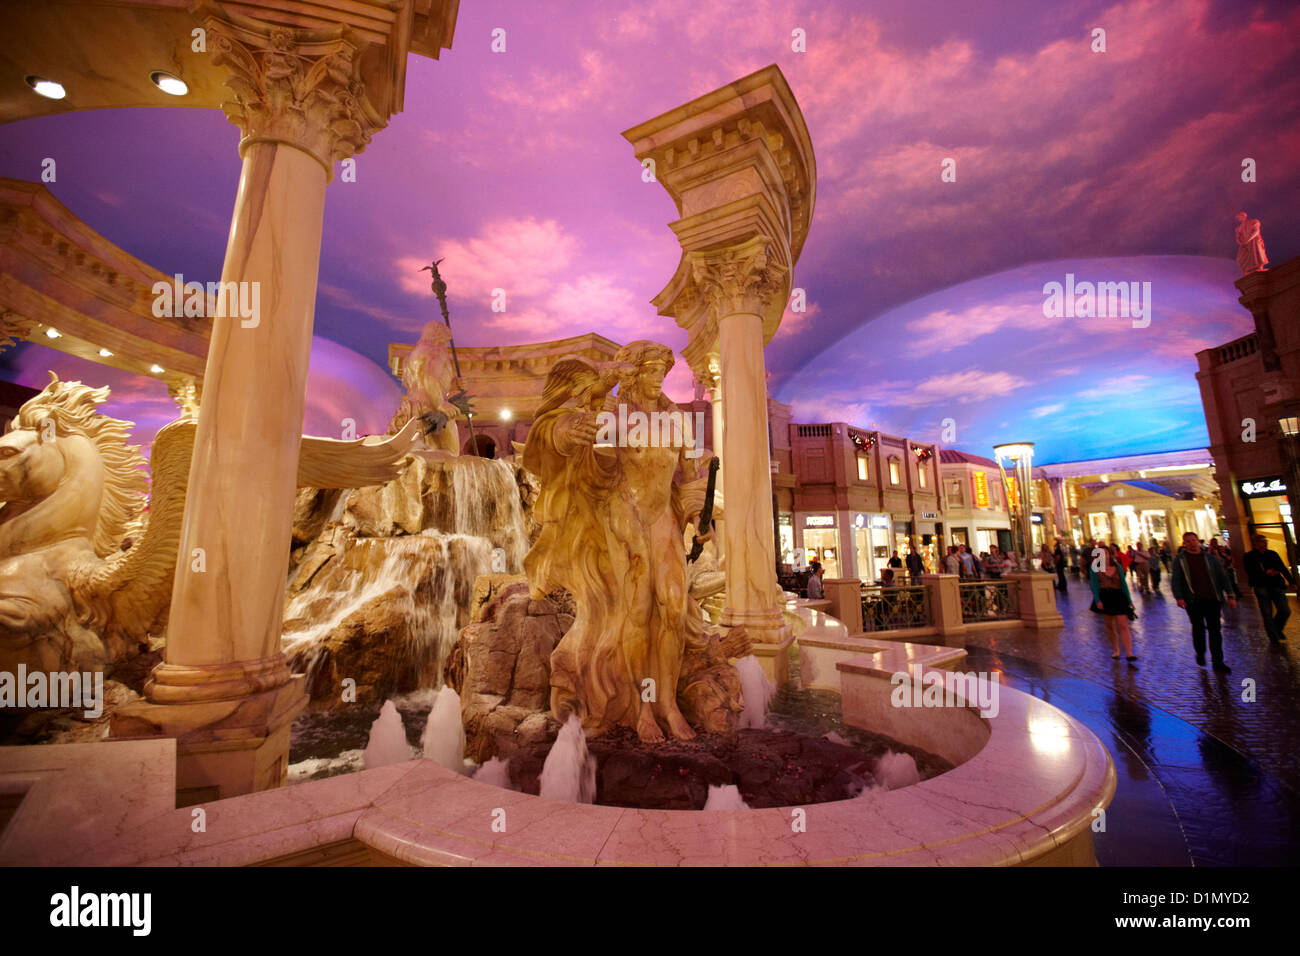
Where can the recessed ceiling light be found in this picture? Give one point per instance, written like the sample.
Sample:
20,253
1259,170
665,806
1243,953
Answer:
505,414
47,88
173,85
52,333
105,353
157,369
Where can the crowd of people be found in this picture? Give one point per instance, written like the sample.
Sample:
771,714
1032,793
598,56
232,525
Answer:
1202,580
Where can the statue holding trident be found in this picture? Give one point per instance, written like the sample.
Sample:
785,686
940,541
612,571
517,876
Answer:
431,371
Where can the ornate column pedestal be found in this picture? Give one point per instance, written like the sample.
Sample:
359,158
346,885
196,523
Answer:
224,689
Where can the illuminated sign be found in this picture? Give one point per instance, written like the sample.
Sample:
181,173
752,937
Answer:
819,521
981,483
1263,486
1036,518
929,515
880,521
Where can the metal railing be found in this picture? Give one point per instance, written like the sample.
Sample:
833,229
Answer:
989,601
894,608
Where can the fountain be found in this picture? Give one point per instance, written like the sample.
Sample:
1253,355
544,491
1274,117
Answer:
387,739
570,771
444,735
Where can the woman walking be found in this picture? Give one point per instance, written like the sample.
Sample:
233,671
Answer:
1111,599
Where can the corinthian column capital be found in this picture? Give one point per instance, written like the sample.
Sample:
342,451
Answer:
743,278
294,86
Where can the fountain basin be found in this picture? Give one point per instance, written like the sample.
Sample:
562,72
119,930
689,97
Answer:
1028,795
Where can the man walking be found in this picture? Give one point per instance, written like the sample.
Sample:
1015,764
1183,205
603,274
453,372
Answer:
815,591
1269,579
952,563
1200,586
967,562
915,566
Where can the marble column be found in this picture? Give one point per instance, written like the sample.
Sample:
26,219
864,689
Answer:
739,283
224,689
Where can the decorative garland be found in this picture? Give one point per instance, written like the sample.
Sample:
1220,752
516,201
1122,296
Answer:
863,441
923,454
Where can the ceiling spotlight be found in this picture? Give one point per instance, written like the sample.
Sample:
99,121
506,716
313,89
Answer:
47,88
52,333
105,353
506,414
169,84
157,369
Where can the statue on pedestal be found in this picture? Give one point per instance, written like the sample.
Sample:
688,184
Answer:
612,517
1250,245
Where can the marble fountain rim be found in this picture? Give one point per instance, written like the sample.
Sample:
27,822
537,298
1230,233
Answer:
1008,803
963,818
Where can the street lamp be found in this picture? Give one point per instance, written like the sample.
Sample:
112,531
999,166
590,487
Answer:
1021,457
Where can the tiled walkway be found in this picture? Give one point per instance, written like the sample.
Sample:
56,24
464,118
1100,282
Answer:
1206,776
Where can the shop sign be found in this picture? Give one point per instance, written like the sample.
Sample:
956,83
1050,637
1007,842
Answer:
929,515
981,484
1036,518
819,521
880,521
1272,485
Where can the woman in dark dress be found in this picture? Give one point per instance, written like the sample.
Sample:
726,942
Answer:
1111,599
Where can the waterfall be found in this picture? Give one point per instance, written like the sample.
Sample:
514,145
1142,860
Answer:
407,595
569,772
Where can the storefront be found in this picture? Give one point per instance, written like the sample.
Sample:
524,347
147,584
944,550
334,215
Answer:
1268,512
927,540
821,541
902,538
870,544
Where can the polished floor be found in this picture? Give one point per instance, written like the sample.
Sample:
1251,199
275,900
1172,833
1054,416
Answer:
1208,764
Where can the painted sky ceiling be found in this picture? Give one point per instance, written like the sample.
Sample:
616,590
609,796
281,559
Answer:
925,297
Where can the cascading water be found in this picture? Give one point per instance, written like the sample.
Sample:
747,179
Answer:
380,595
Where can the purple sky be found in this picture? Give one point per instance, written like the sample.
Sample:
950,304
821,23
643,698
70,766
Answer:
924,296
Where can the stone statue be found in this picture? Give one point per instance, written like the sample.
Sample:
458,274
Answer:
86,559
429,374
613,519
1250,245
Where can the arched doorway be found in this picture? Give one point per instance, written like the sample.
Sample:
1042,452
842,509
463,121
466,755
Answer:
483,446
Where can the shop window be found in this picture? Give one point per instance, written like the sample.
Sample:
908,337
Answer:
895,476
862,468
921,479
